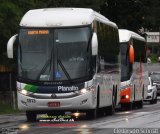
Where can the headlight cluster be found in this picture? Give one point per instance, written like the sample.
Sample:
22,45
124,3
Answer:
127,96
24,92
84,90
149,90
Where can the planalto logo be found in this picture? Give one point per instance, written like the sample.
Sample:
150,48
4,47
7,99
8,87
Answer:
64,89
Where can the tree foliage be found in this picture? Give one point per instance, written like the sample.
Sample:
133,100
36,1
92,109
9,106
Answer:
9,19
129,14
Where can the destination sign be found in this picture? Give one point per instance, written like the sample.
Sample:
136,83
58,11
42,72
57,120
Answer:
33,32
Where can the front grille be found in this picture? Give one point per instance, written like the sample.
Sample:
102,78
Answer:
53,96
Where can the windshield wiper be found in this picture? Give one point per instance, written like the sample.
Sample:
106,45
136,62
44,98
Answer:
48,62
64,70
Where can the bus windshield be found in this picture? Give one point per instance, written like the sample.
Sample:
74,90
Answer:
155,77
54,54
125,65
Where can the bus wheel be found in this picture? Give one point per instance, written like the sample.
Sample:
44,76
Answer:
152,101
31,116
140,104
91,114
155,100
127,106
111,109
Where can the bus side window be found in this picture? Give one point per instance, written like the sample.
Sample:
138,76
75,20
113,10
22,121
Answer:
128,64
127,56
98,66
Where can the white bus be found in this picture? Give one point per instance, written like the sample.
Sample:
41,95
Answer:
68,60
134,74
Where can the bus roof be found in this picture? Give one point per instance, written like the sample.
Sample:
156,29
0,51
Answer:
126,35
60,17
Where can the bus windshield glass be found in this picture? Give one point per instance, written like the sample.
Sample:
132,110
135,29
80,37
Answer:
54,54
155,77
125,65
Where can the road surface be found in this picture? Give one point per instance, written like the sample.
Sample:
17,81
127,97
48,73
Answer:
135,121
146,120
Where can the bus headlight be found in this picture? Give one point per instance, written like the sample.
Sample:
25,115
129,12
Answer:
76,114
127,96
83,91
24,92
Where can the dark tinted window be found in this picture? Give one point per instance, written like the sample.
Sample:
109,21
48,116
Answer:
126,66
108,46
140,51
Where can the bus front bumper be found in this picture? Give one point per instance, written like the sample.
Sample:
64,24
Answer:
80,102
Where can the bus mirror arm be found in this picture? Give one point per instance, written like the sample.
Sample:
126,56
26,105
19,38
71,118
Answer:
10,46
94,44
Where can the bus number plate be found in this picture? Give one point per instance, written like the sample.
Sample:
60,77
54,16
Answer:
53,104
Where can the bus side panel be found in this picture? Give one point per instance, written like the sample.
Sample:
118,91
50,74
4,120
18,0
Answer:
140,70
109,63
140,81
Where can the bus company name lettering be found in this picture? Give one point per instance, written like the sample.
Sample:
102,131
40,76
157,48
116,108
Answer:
63,89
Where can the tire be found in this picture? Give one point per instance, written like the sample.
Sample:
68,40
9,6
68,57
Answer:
143,92
155,100
115,95
93,113
134,93
140,104
152,101
127,106
31,116
111,109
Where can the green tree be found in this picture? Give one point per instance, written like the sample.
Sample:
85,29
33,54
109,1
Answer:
9,20
128,14
125,13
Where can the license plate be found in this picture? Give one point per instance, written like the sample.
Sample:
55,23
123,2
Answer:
53,104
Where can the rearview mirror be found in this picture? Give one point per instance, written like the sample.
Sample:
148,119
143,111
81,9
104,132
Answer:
10,46
131,54
94,44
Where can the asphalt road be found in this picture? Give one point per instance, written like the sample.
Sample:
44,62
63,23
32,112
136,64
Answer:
144,121
137,120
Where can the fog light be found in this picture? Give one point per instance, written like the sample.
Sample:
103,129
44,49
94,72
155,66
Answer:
76,114
24,126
